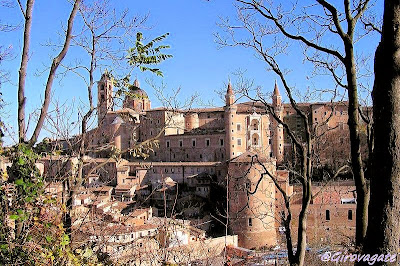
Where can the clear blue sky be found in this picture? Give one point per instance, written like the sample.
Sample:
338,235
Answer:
197,64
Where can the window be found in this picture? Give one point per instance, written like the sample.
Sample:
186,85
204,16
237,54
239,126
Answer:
239,142
167,143
180,143
238,127
327,215
201,156
194,142
207,142
221,142
250,222
350,214
254,124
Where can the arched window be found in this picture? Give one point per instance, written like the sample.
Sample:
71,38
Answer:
255,139
254,124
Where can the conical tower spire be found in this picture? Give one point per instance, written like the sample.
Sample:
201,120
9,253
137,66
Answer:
276,97
230,96
276,89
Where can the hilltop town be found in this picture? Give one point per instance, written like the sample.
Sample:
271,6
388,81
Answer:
202,186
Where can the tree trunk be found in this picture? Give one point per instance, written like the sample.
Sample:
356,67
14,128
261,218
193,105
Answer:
23,69
383,225
356,159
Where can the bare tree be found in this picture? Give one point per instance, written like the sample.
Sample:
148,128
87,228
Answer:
27,15
314,27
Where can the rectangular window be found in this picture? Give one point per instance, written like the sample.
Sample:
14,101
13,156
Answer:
350,214
180,143
238,127
194,142
221,142
239,142
327,215
250,222
167,143
207,142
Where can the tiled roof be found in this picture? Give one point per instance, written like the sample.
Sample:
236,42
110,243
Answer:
161,164
249,156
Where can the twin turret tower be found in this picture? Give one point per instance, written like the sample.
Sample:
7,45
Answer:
255,138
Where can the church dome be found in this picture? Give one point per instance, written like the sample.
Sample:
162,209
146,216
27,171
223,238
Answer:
137,91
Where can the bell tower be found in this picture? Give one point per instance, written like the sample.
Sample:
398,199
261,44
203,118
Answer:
104,97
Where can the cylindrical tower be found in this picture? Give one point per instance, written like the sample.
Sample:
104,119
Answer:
277,134
251,216
191,121
230,115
